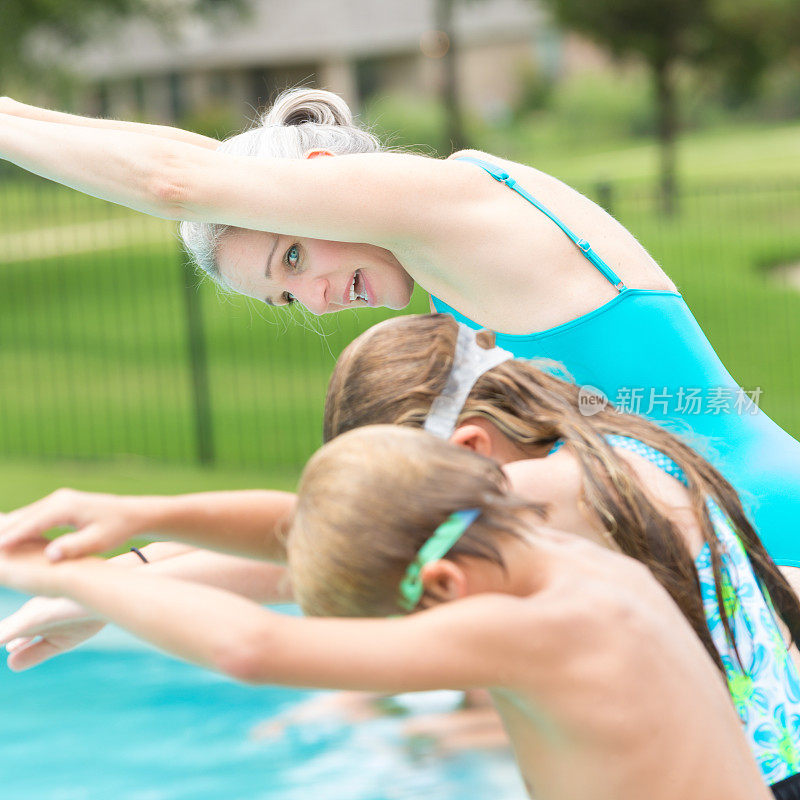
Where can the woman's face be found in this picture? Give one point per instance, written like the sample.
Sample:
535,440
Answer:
322,276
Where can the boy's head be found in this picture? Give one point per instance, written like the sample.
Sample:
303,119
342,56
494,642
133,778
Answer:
368,502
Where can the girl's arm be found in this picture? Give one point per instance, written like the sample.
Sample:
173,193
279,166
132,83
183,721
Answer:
248,523
260,581
45,627
17,109
464,644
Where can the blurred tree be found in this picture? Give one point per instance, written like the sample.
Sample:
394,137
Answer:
773,24
444,25
737,37
75,21
663,33
756,34
455,134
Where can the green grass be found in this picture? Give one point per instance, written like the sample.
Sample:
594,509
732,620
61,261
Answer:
741,155
24,480
29,204
95,363
93,345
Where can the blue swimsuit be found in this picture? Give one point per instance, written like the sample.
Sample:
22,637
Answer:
646,353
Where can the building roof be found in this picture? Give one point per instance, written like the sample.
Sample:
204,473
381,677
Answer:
284,32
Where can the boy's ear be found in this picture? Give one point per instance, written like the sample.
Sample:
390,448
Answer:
473,437
319,152
444,580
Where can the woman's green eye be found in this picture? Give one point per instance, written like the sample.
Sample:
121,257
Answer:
292,256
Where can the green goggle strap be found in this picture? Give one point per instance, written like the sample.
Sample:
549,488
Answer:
440,543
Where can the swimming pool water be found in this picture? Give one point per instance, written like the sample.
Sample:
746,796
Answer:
115,721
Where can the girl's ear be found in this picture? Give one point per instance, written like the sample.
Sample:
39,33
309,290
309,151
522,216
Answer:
475,438
318,152
444,580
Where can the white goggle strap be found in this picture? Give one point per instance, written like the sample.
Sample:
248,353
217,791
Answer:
470,361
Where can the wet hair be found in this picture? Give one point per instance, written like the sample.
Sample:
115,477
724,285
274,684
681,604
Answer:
351,541
299,120
393,372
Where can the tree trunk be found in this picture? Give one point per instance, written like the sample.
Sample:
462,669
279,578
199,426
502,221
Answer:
667,124
454,121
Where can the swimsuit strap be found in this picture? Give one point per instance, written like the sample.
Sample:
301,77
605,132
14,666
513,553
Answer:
503,177
650,453
718,517
658,458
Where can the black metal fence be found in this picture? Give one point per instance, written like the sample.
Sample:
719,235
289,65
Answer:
110,344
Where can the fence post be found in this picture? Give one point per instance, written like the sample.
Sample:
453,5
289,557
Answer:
605,196
198,364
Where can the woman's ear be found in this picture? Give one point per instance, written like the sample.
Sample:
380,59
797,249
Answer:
318,152
444,580
473,437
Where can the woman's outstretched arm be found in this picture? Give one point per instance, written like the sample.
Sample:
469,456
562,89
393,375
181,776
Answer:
17,109
457,232
124,167
382,198
459,645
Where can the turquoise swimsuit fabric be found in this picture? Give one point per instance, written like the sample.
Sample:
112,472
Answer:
645,352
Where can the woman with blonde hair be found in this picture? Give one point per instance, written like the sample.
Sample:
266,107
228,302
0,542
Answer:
271,214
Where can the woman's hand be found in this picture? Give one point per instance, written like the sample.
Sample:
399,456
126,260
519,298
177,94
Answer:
45,627
101,522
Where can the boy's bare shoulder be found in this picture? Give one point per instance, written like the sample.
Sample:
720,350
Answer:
594,596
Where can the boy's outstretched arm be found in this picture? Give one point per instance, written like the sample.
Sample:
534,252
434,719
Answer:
464,644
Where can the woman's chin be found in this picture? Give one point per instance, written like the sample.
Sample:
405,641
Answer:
406,296
394,295
398,305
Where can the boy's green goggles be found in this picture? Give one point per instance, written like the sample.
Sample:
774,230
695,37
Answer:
443,539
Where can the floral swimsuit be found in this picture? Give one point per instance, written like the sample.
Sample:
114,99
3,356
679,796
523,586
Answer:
765,686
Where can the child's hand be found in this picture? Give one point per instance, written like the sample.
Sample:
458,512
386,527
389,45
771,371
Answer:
45,627
26,569
102,522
